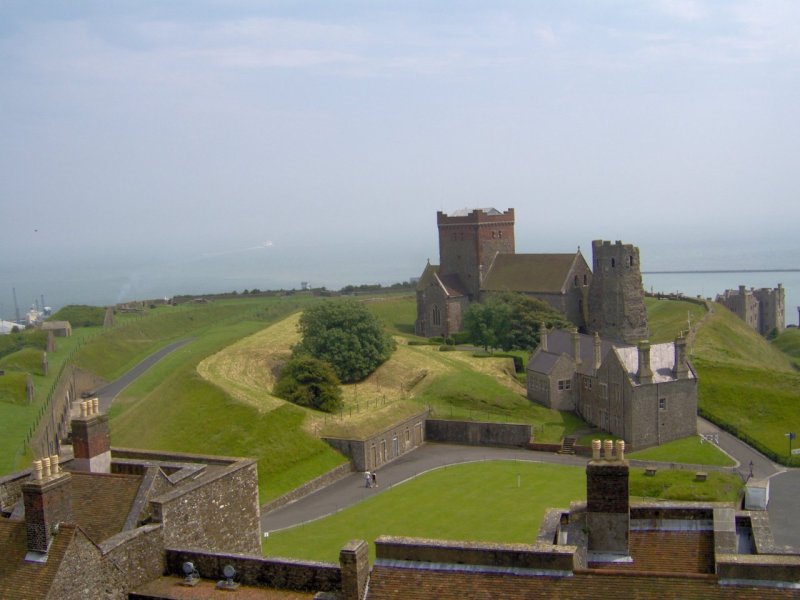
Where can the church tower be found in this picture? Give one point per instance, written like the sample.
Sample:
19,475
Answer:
616,294
469,241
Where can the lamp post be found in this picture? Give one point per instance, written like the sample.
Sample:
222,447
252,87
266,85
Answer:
790,435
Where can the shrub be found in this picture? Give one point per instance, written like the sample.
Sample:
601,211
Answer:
308,381
345,334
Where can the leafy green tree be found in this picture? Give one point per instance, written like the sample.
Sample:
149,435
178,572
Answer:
488,324
346,335
308,381
510,320
527,314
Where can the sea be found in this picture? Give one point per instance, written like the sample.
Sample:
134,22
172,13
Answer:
103,285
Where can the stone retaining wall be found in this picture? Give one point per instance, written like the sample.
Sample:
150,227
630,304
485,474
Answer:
312,486
469,433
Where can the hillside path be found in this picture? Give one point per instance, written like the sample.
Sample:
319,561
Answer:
107,393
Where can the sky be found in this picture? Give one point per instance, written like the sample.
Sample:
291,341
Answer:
316,140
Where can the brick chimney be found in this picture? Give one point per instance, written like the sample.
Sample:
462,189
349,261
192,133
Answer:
644,373
607,501
576,346
543,336
681,369
354,562
90,440
48,502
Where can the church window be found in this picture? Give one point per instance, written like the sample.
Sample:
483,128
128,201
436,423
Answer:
613,263
437,315
585,279
575,281
630,260
500,234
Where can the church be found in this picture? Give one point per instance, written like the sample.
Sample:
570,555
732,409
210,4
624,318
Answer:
477,256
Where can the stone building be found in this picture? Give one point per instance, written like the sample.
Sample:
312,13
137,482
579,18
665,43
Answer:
645,394
763,309
477,256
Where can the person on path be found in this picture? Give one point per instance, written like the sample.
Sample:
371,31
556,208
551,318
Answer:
367,479
374,479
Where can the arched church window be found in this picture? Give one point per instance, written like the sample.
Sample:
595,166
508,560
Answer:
585,279
575,281
437,315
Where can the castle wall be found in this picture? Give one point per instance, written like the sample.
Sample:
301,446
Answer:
652,425
616,294
469,433
206,514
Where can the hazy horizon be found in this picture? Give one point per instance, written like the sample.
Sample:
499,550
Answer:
146,143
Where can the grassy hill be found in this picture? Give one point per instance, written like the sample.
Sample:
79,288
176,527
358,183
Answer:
669,318
789,343
747,385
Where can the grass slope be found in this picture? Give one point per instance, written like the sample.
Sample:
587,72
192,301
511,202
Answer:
747,385
788,342
690,450
668,318
172,407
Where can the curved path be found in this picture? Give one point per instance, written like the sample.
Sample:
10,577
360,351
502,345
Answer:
107,393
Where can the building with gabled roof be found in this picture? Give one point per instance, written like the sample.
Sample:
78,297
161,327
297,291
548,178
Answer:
645,394
477,256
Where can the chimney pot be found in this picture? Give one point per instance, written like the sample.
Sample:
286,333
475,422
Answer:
95,406
83,408
46,467
37,470
620,444
596,449
608,449
54,466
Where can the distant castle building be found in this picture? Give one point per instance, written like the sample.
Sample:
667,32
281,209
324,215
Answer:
477,255
764,309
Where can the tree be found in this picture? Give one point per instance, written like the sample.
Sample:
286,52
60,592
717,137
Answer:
488,324
308,381
510,320
346,335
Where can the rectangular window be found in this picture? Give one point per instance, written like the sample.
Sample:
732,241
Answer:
587,384
662,404
604,391
564,384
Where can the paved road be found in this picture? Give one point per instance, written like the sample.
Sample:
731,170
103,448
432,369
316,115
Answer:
107,393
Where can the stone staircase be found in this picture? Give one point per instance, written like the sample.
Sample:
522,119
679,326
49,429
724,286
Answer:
568,445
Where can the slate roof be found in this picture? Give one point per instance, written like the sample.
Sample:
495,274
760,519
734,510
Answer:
662,361
23,580
451,283
101,502
560,342
542,273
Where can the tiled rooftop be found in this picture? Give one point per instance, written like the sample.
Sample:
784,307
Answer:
20,579
101,502
667,552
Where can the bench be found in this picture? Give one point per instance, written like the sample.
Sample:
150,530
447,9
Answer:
700,476
650,471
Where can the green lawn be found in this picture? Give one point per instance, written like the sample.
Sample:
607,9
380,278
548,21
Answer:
681,485
789,343
691,450
497,501
668,318
476,501
398,312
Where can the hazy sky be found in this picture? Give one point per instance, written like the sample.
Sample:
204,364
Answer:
151,132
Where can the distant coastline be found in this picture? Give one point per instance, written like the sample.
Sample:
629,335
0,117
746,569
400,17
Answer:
722,271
